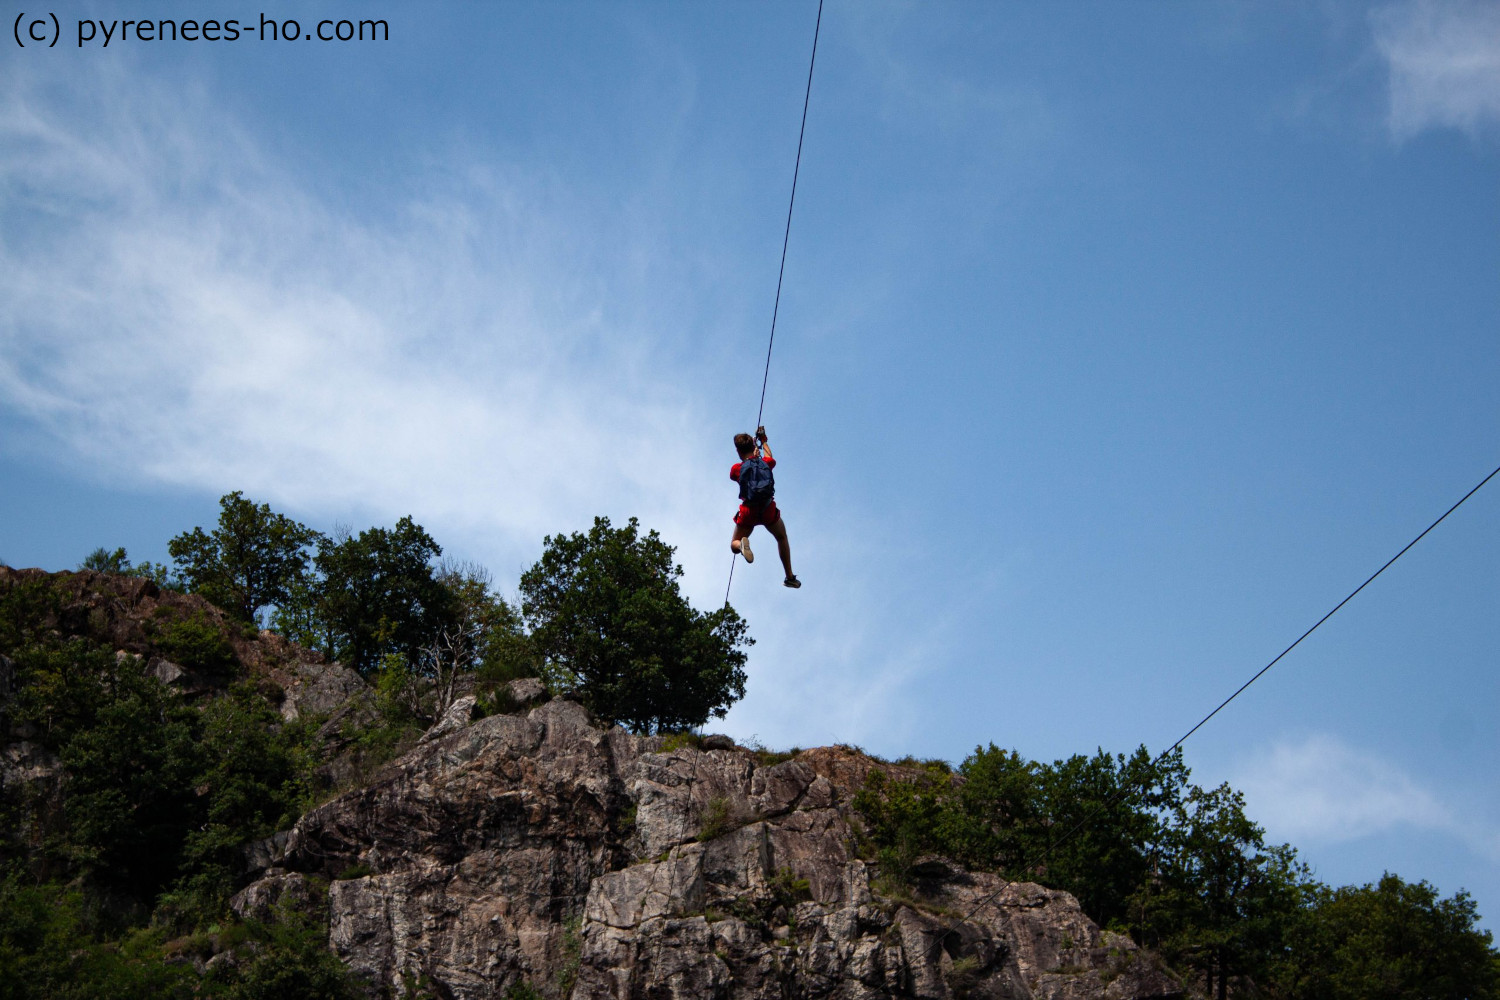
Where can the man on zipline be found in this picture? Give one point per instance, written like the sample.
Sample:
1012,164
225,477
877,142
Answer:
758,500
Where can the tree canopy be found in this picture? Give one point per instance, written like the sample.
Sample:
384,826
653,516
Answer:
378,594
1185,871
1391,940
251,560
607,615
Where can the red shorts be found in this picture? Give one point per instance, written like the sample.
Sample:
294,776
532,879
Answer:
766,516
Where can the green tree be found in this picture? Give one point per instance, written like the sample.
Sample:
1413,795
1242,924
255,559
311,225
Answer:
500,644
993,821
1104,819
251,779
479,633
251,560
608,618
101,560
378,595
906,818
1225,899
51,948
1394,940
1090,825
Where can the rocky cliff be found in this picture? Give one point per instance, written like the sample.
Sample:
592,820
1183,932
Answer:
539,851
537,854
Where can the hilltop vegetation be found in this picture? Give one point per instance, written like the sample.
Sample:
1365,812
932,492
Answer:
1184,871
154,733
383,603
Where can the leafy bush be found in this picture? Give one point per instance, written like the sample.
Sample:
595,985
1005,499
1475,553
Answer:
788,890
678,740
292,962
51,948
716,819
766,757
103,560
194,640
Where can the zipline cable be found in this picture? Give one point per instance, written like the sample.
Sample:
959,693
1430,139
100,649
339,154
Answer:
785,241
765,378
787,236
1007,883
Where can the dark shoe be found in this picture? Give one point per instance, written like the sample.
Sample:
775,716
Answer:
792,582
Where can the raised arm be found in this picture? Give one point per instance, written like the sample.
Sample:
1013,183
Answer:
763,447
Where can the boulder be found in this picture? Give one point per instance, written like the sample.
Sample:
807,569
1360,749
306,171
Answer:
312,687
458,715
526,691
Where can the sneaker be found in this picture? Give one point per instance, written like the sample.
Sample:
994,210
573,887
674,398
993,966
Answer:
745,549
792,582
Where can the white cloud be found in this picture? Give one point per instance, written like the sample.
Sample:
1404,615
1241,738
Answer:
1444,63
179,308
1321,790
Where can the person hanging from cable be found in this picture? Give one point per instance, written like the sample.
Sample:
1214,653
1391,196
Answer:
758,500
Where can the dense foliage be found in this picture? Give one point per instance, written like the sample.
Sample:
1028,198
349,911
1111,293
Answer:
117,562
1392,939
1183,870
606,614
137,842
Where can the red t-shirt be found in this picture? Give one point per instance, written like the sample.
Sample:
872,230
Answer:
734,470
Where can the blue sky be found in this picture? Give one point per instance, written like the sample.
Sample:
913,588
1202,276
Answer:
1118,343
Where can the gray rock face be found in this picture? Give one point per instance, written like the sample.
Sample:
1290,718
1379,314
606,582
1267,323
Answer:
312,687
165,670
27,763
526,691
584,862
459,715
32,773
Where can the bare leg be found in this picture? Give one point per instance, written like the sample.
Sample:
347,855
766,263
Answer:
783,547
740,531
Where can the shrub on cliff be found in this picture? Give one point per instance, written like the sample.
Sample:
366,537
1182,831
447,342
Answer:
611,624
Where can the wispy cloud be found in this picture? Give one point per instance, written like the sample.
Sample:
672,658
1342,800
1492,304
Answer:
1444,63
180,309
484,349
1321,790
